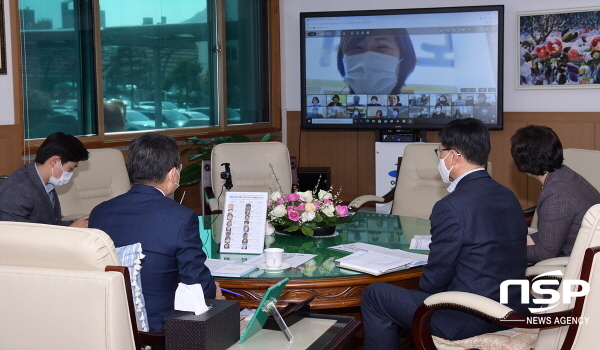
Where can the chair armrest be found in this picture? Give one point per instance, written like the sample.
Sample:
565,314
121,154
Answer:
537,270
213,203
152,338
559,261
528,213
474,302
358,202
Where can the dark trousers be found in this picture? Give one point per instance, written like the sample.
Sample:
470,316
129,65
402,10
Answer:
387,309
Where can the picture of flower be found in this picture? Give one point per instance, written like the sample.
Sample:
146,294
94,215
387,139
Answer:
559,49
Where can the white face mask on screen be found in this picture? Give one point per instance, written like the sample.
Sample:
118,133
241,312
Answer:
371,72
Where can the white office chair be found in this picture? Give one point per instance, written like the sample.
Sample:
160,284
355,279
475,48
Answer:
418,186
254,168
96,180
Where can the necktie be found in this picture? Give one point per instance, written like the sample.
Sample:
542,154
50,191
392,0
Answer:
52,196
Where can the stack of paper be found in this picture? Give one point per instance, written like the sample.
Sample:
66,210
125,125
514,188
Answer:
225,268
377,260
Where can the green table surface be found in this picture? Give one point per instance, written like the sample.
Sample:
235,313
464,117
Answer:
390,231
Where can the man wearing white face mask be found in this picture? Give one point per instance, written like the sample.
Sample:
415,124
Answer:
378,63
167,230
476,233
28,194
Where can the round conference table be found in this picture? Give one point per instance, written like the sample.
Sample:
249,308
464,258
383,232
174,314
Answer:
335,287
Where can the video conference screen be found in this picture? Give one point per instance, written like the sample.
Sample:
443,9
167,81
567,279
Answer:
404,69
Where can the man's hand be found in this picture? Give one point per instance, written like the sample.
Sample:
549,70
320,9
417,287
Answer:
81,222
219,293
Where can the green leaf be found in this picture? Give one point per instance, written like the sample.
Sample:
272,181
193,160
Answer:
267,137
239,138
197,141
191,174
318,217
221,139
308,231
291,228
200,155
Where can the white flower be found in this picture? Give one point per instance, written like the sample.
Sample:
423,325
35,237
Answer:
306,196
328,209
310,206
323,195
308,215
278,211
269,230
275,196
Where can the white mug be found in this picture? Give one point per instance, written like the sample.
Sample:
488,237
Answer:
273,257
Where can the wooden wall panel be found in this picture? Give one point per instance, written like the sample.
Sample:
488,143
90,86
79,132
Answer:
11,148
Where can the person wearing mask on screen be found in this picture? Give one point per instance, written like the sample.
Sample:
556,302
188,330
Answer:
443,100
356,101
315,113
315,102
423,114
437,113
167,230
29,195
478,235
335,101
378,63
565,198
374,101
395,113
481,100
356,113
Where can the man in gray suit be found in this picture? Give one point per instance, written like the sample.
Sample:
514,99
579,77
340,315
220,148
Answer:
28,195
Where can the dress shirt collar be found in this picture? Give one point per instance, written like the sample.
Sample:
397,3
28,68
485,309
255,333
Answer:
454,183
47,187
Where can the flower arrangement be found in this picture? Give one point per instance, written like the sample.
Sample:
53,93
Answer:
305,211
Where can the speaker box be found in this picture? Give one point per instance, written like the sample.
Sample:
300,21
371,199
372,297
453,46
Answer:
308,177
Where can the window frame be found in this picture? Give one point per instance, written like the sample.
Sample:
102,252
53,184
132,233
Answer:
103,140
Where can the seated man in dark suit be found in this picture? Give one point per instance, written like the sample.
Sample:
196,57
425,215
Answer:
28,195
168,231
478,233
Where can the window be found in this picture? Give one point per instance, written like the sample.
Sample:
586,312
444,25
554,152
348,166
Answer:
102,68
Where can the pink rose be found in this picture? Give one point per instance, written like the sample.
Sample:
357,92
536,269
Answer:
595,44
327,201
573,54
290,207
292,197
301,206
280,201
554,46
541,52
341,210
293,215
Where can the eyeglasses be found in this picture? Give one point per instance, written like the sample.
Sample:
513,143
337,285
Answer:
439,151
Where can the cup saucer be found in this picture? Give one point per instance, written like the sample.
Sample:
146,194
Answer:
283,266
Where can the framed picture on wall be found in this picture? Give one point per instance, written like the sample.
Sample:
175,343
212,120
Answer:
559,49
2,40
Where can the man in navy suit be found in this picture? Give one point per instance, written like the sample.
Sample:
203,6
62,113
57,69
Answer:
168,231
478,233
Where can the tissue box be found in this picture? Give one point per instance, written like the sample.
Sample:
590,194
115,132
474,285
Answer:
216,329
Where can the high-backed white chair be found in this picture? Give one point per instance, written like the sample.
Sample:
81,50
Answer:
548,339
96,180
255,167
63,288
418,186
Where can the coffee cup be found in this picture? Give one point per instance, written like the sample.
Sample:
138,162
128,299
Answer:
273,257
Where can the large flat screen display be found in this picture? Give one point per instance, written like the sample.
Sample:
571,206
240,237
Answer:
402,69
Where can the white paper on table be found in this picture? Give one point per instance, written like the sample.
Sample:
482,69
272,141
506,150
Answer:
420,242
215,264
294,259
418,259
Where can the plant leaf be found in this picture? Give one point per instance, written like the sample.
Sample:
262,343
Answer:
308,231
291,228
201,155
239,138
221,139
191,174
267,137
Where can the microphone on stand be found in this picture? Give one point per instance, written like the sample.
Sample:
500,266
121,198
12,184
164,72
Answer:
226,175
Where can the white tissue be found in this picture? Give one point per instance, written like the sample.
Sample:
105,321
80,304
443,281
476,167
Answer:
190,298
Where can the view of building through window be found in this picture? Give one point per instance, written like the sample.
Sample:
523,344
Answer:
157,63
